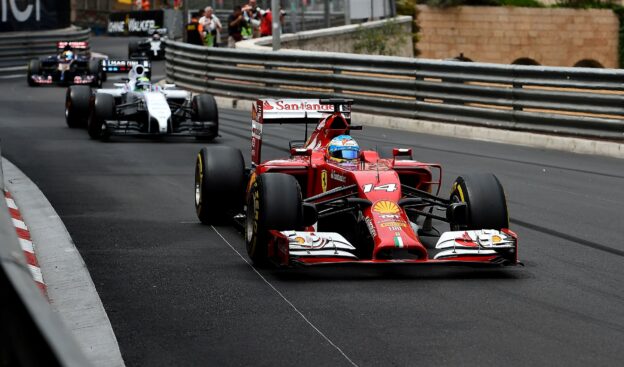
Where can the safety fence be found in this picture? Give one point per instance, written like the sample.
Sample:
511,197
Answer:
16,48
31,333
565,101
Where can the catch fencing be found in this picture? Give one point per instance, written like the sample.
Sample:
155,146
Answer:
564,101
17,48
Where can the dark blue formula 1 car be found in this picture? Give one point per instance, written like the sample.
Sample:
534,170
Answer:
71,65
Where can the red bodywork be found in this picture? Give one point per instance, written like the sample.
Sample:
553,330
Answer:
375,179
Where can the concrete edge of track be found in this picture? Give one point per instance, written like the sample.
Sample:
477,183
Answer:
70,288
561,143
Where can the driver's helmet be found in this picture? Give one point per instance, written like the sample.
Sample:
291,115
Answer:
156,37
67,55
343,148
142,84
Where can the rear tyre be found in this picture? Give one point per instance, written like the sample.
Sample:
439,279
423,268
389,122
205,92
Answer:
34,68
219,184
273,203
485,199
103,110
77,105
133,49
205,108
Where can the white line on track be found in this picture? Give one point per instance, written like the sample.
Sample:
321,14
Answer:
286,300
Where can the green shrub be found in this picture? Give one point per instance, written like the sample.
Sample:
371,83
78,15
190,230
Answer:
383,40
522,3
408,7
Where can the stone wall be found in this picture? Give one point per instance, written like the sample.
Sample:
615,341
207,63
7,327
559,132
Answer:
556,37
338,39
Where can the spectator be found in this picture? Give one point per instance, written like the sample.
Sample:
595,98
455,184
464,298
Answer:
266,25
145,5
195,31
236,22
212,27
253,16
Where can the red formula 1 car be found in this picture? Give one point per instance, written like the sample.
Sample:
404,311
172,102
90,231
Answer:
331,203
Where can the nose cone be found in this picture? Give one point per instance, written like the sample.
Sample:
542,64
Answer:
395,238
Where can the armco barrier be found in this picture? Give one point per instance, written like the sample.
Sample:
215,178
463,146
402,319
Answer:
31,334
566,101
17,48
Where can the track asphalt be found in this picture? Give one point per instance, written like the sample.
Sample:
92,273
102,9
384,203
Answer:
178,293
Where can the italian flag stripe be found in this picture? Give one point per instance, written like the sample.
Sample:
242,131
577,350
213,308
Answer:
398,242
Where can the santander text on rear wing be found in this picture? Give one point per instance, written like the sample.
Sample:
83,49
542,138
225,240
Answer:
291,111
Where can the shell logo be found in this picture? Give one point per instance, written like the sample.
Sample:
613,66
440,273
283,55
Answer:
385,207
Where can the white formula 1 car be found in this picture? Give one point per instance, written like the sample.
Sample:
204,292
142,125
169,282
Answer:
138,107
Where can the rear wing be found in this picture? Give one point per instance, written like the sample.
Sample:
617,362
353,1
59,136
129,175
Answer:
124,66
160,31
74,45
291,111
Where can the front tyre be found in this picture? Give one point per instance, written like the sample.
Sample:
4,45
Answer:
219,184
95,69
77,105
103,110
485,199
34,68
204,108
133,49
274,203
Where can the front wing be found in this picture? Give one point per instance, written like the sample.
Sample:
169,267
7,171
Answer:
469,248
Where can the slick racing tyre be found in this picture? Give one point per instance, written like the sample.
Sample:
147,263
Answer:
103,110
219,184
133,49
34,68
274,202
485,199
77,105
205,108
96,71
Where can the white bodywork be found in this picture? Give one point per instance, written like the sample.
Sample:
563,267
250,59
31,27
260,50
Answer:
318,244
158,108
481,242
155,47
155,99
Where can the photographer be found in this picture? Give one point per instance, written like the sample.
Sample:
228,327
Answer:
236,23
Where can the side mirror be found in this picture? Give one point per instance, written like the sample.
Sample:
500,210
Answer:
300,152
457,213
169,86
402,152
119,85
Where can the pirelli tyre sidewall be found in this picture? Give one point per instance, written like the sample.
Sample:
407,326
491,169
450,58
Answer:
102,110
77,102
219,184
485,198
273,203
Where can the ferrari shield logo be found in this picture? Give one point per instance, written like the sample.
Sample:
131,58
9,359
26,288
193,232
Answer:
324,180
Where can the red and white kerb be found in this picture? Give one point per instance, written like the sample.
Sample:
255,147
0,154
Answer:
23,235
